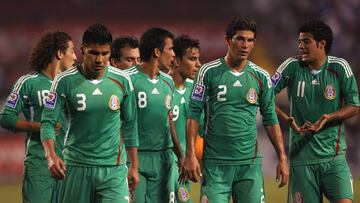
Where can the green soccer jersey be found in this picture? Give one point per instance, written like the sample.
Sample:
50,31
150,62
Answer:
231,100
311,94
181,111
154,104
97,110
28,97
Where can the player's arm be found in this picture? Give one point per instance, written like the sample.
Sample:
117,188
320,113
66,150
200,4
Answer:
177,149
54,104
288,119
129,130
272,127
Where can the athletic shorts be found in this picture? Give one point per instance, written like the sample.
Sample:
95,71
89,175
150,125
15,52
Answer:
38,188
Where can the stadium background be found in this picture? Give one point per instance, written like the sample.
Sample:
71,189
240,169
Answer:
22,22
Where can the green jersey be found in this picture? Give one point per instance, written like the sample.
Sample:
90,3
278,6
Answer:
97,109
28,97
154,104
231,100
311,94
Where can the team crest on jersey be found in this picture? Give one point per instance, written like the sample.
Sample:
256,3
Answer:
252,96
12,100
168,102
298,198
183,194
198,92
204,199
50,100
330,92
275,78
114,103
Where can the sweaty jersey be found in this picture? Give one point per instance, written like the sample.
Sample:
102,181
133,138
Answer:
28,97
312,94
154,104
97,109
231,101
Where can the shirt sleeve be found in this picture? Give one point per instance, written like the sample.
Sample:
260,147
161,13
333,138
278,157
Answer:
129,116
54,104
281,77
14,105
267,103
348,85
198,97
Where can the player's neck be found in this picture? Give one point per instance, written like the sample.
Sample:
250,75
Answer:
235,64
52,69
318,63
150,69
178,80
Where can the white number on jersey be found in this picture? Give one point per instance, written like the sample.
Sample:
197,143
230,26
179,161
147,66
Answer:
175,112
172,197
221,93
42,96
300,89
81,102
142,100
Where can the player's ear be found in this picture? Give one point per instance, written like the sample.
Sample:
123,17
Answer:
59,54
82,50
157,52
177,61
322,44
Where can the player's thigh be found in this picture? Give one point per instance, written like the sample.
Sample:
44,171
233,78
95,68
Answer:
216,183
249,184
160,186
76,187
304,184
337,181
139,194
112,185
38,188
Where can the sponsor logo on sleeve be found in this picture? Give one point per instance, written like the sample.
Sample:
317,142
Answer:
50,100
12,100
198,92
275,78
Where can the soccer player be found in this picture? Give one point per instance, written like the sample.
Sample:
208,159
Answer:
157,133
323,93
53,53
125,52
183,71
231,90
99,100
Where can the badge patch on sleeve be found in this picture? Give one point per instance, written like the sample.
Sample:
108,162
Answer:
12,100
275,78
198,92
50,100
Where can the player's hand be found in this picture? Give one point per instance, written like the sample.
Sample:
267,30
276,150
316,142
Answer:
308,127
282,172
181,161
191,170
319,124
294,126
133,178
57,128
56,166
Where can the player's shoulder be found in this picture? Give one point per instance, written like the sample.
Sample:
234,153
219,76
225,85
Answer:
131,71
115,72
25,79
210,65
261,73
291,62
339,65
165,76
66,74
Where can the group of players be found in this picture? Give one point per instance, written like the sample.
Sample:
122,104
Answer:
126,132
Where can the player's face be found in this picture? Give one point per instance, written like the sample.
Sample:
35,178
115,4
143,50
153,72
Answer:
129,57
241,44
68,57
167,55
95,57
309,48
190,63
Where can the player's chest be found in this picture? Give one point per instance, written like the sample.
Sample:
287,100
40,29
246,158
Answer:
95,96
231,86
322,86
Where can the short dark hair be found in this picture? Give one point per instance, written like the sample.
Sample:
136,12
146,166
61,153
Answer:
183,42
46,48
97,34
320,31
153,38
238,24
122,42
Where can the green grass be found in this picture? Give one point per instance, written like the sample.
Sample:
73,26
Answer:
12,193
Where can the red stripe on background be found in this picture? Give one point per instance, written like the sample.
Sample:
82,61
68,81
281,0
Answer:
258,80
338,141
